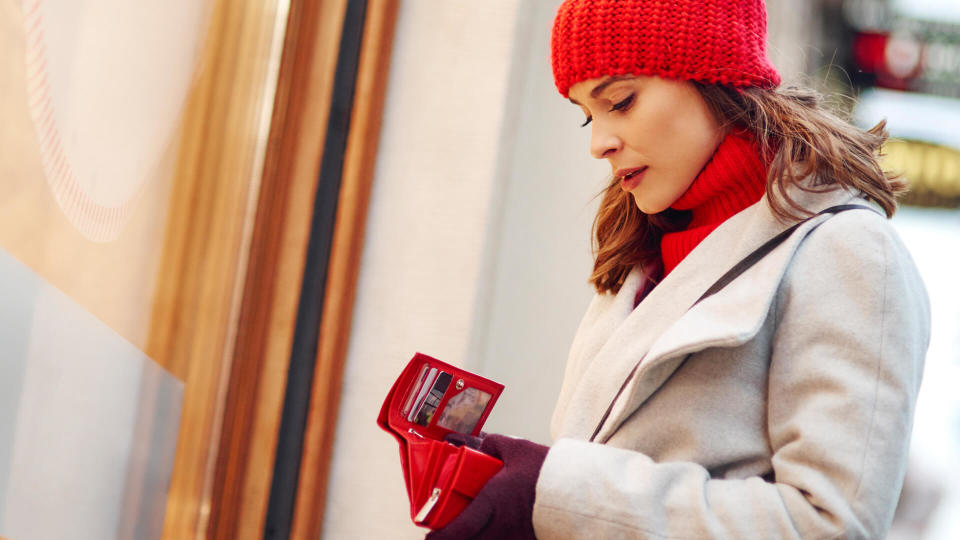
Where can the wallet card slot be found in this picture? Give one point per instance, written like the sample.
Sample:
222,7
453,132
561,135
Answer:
412,391
422,392
427,408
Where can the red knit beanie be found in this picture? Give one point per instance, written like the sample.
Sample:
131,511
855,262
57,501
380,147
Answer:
711,41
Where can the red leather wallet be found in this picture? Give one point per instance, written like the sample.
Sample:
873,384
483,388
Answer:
429,400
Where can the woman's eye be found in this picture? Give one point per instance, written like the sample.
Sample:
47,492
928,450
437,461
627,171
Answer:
623,104
587,121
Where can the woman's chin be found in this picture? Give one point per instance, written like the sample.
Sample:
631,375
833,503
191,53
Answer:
647,206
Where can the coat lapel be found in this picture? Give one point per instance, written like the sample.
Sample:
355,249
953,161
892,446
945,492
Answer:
663,330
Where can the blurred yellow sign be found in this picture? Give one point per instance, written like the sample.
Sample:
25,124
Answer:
928,168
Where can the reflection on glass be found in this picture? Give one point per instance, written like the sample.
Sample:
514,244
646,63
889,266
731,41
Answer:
105,97
88,423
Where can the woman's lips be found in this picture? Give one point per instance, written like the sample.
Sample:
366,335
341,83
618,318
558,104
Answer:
630,178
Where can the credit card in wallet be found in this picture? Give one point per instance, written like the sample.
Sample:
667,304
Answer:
422,393
432,399
408,404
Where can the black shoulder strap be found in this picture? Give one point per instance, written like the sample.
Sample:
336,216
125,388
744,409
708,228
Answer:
732,274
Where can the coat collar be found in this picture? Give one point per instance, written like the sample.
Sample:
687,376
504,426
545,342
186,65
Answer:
663,330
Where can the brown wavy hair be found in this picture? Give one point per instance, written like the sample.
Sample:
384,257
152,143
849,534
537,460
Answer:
803,138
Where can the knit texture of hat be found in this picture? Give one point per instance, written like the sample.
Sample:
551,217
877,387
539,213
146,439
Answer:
711,41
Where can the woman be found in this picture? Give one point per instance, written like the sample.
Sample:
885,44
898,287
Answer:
781,405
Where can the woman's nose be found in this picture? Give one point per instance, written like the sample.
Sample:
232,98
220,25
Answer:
603,143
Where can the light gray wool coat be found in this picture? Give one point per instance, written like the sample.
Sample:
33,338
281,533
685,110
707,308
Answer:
781,407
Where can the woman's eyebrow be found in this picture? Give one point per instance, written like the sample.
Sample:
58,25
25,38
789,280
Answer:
602,86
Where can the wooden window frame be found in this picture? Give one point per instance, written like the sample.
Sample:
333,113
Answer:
249,311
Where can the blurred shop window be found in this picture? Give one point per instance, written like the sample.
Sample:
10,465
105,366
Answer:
132,145
901,58
930,501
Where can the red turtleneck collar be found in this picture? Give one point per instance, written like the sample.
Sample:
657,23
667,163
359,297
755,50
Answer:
733,179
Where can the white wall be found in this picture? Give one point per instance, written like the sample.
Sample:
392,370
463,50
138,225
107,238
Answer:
539,252
418,284
477,248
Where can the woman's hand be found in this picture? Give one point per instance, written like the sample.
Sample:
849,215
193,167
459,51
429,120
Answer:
503,509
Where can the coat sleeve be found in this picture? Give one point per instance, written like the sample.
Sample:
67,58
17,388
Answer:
845,368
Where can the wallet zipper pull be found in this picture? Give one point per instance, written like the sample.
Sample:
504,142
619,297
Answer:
428,506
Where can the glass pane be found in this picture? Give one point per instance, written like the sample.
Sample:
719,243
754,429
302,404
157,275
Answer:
89,423
92,94
111,112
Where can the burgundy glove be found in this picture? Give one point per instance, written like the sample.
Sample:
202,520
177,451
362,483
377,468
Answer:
503,510
462,439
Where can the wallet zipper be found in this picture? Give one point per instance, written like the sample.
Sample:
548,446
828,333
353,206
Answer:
428,506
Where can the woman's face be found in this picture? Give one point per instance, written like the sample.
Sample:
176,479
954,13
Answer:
657,134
